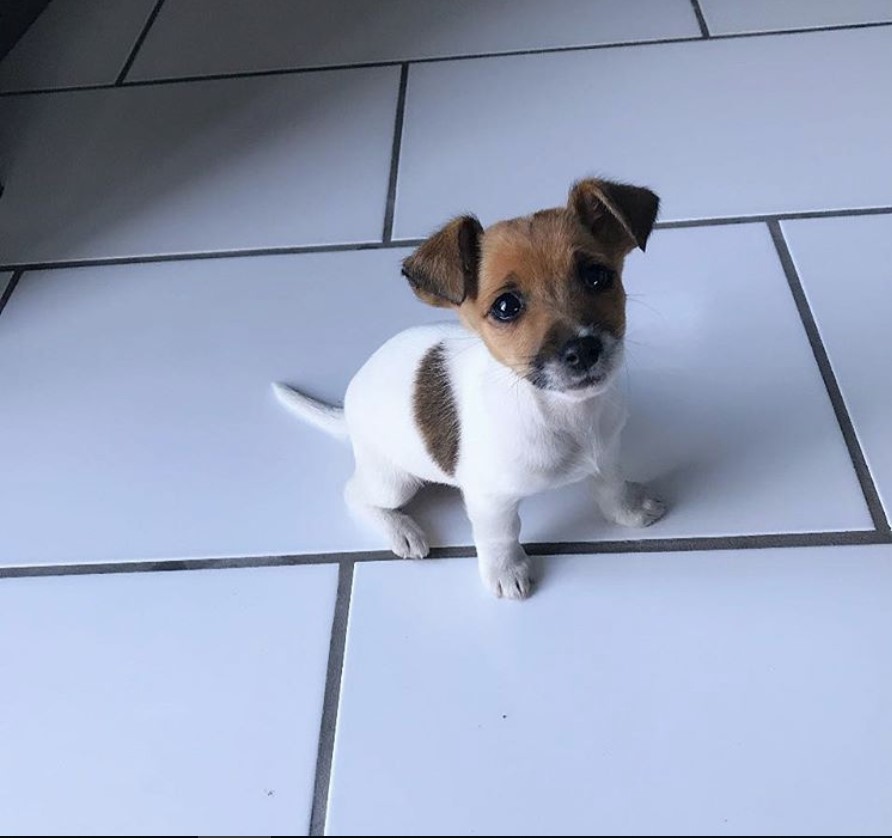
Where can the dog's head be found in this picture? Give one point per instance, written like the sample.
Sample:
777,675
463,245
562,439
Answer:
544,292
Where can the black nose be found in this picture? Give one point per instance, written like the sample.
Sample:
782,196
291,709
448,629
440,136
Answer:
582,353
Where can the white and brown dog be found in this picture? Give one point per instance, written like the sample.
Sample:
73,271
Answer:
518,398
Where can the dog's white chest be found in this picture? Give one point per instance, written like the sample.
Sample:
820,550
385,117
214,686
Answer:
520,445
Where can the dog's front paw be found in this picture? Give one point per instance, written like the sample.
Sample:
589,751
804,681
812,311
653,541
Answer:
512,579
637,507
407,539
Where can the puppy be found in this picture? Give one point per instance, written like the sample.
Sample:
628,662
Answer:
518,398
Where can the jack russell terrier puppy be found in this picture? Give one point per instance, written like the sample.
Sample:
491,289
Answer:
517,399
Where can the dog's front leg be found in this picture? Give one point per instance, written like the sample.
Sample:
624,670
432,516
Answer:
627,504
504,566
621,501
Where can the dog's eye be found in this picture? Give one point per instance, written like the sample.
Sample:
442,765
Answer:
595,276
507,307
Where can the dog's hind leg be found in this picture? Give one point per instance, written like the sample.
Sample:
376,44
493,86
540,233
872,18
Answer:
375,493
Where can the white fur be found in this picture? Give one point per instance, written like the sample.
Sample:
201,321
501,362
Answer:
325,416
515,440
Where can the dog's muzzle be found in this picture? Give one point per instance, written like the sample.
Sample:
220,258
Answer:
583,363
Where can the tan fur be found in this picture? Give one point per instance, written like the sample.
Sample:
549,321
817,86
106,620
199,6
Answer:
536,256
443,270
465,267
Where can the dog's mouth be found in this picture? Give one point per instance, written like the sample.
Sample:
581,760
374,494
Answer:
591,383
550,374
588,380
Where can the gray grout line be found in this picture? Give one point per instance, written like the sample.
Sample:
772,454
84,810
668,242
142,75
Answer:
346,561
701,19
285,250
698,544
288,250
331,700
395,155
868,487
175,565
686,544
10,287
689,39
720,221
119,81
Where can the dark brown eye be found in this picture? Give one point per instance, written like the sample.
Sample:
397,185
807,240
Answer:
507,307
596,277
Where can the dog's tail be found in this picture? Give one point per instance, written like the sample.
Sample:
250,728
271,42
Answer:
325,416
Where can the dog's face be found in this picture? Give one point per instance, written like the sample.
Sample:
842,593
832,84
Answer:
550,303
544,292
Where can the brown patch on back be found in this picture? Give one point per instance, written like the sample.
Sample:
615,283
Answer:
435,412
536,256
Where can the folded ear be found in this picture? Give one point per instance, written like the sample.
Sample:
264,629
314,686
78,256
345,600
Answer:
615,211
443,270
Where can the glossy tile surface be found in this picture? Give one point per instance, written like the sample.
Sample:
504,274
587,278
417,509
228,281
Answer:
718,128
256,35
162,704
729,418
140,417
130,380
692,694
844,267
676,683
209,166
74,43
726,16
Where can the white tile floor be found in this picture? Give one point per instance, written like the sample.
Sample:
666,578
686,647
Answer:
52,53
703,123
856,332
308,33
162,702
154,238
735,693
730,16
182,169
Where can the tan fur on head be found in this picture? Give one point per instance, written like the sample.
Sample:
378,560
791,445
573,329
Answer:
542,260
537,257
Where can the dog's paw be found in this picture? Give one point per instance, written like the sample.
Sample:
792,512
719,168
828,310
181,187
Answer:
407,539
512,580
638,508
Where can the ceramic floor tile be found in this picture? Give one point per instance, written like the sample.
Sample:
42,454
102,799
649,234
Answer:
729,418
734,693
163,704
138,420
717,128
726,16
75,42
248,35
213,165
844,268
